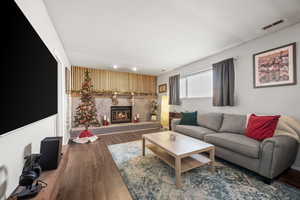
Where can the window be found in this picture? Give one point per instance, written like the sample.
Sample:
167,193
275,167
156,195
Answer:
197,85
182,87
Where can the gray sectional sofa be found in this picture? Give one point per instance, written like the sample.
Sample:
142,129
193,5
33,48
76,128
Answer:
268,158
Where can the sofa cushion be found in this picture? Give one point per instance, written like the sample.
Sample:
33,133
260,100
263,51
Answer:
193,131
210,120
236,143
234,123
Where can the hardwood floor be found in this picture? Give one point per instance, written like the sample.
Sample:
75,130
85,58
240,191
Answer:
291,177
91,173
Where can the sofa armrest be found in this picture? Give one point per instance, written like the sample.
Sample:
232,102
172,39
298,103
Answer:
276,155
174,122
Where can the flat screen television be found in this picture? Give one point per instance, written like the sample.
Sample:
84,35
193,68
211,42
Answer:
28,74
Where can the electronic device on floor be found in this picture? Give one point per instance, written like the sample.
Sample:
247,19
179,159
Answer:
28,180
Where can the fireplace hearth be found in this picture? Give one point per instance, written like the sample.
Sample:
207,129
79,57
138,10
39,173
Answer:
120,114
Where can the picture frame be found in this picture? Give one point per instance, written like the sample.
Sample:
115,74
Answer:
162,88
275,67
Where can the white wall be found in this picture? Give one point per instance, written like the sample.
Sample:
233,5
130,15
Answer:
23,141
273,100
14,144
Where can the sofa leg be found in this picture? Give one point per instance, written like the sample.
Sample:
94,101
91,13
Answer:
268,181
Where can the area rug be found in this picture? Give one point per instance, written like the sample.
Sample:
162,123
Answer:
150,178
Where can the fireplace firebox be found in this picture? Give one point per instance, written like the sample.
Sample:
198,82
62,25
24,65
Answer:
120,114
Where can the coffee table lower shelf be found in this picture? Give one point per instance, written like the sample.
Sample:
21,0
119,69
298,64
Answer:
187,163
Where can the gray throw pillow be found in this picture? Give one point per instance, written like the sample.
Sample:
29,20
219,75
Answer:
234,123
210,120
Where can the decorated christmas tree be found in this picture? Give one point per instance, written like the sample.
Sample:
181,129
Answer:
86,112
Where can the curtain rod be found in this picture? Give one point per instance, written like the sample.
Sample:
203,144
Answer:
203,70
197,72
234,58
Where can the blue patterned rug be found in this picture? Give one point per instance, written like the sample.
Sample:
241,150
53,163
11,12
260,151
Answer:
149,178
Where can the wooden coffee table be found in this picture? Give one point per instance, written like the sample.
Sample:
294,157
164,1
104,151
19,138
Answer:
183,153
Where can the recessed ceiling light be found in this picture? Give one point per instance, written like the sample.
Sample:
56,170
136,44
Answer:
134,69
115,66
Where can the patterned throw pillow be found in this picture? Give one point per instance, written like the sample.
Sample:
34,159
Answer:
189,118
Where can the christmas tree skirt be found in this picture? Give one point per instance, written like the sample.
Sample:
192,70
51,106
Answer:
85,139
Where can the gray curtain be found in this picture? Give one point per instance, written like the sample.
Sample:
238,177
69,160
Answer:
223,83
174,89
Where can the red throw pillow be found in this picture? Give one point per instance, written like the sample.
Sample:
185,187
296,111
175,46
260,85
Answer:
261,127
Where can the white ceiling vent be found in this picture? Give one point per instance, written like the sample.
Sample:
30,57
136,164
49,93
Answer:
273,24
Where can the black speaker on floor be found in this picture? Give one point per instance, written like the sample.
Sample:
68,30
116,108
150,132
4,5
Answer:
50,152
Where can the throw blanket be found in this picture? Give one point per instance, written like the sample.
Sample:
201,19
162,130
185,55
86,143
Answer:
286,126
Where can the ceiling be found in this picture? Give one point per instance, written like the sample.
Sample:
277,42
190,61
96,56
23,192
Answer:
155,34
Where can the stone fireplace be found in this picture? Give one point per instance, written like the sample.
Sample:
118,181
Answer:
120,114
142,106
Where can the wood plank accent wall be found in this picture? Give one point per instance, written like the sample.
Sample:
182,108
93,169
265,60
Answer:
105,81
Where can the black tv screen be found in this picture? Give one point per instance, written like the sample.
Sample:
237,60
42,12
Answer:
29,74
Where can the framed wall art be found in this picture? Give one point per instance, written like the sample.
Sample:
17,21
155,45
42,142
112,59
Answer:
275,67
162,88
